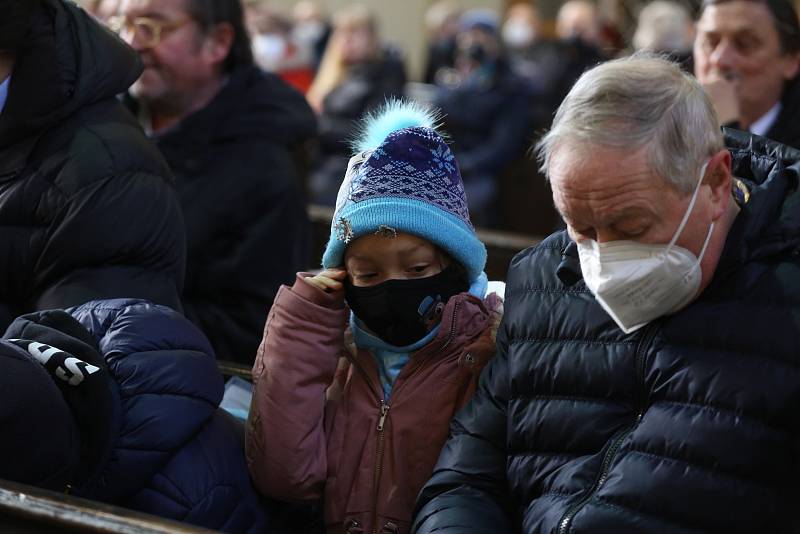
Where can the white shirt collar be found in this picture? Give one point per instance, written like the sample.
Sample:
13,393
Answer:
762,125
4,92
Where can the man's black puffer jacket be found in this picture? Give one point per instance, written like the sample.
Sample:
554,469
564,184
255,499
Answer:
690,424
87,210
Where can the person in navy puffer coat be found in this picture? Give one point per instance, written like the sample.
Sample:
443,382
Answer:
117,401
648,370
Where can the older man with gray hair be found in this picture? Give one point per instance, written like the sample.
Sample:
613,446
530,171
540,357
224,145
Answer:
648,369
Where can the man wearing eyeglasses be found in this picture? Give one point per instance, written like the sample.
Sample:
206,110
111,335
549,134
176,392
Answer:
87,210
228,131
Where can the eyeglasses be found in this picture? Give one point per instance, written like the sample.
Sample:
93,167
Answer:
149,30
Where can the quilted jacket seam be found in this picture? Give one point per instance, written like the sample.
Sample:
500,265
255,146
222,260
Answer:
520,340
567,398
559,494
161,495
715,471
737,351
720,409
525,454
599,501
187,502
132,396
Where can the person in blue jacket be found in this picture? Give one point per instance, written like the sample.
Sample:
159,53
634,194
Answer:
118,401
489,112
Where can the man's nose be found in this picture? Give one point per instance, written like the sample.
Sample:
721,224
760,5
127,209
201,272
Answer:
723,57
607,235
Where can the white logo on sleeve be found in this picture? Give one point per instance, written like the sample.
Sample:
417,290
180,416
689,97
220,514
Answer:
69,369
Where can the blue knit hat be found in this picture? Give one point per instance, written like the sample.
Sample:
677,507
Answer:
480,18
404,179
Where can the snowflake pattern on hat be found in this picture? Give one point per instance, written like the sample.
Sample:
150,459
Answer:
412,163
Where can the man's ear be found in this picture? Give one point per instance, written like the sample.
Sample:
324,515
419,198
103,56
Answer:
791,65
219,42
719,179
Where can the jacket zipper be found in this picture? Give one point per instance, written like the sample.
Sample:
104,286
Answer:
383,413
616,442
452,333
449,339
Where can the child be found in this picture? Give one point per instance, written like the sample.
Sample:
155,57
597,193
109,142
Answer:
366,433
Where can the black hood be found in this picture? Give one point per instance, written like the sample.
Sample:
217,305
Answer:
68,61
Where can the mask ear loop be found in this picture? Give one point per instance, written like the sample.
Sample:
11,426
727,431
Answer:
705,245
689,211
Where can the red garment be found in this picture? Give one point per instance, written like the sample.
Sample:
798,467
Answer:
300,78
318,423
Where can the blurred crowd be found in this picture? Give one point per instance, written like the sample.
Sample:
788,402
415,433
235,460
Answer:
497,79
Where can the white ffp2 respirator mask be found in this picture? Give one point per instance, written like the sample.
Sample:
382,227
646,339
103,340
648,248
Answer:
637,283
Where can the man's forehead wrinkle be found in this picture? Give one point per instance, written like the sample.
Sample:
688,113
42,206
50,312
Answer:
596,185
598,188
623,197
584,186
575,157
608,213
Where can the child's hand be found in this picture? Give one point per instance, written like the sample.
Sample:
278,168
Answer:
329,280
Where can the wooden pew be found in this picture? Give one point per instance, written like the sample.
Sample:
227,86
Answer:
25,509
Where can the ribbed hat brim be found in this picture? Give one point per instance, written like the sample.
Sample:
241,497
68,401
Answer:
412,217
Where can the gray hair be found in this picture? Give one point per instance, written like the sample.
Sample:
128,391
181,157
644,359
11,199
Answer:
664,26
635,102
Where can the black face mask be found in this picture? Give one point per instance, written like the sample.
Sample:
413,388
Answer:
402,312
476,52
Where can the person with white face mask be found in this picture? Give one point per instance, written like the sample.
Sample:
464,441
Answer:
521,27
647,371
636,282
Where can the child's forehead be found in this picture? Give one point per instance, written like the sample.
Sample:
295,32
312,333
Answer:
384,245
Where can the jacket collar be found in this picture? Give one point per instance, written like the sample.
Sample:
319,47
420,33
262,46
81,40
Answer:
365,339
769,223
465,317
464,320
